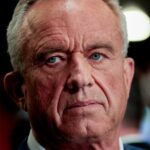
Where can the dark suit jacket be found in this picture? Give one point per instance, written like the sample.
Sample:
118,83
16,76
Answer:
24,146
129,147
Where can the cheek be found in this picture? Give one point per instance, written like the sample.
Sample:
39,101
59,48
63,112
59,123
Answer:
113,85
40,92
44,94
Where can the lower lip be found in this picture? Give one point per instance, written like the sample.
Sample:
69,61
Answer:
83,108
78,105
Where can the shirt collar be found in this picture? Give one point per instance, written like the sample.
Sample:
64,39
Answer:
120,144
33,144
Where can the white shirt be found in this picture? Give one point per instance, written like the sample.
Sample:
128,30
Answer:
145,126
34,145
132,138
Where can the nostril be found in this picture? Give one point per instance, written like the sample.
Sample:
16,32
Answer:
73,87
89,84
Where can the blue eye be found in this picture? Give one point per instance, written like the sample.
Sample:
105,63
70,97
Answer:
96,56
53,59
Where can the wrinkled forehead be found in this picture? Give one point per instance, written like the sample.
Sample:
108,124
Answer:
75,18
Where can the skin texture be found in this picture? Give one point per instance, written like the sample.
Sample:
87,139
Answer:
76,81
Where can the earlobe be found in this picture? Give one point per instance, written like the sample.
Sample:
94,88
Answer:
128,73
14,86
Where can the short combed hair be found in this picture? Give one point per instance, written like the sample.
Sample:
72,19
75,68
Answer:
15,35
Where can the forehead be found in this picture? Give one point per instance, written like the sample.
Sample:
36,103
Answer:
72,12
84,18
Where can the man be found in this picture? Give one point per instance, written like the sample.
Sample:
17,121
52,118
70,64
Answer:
70,72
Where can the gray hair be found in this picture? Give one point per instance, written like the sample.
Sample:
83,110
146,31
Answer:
15,36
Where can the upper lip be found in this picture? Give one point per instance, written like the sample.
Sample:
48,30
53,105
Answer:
82,104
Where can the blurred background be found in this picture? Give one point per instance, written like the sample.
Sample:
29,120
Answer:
138,26
14,124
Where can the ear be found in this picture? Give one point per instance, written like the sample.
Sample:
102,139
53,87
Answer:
16,89
128,73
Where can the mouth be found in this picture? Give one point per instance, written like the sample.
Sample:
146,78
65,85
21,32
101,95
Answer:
82,104
83,108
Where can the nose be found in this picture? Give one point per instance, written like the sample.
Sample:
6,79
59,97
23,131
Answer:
80,75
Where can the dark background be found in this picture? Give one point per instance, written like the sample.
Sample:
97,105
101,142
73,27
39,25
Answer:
140,50
6,10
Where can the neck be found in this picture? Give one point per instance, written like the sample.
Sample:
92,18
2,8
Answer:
94,145
107,142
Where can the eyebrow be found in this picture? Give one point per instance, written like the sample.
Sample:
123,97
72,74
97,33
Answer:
108,46
50,48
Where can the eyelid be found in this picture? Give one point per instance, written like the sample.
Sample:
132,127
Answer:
41,57
60,58
100,45
56,54
92,51
105,53
49,52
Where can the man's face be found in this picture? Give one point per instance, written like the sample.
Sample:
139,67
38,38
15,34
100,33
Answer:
76,78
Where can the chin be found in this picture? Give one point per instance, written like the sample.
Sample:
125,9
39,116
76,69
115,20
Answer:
84,131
